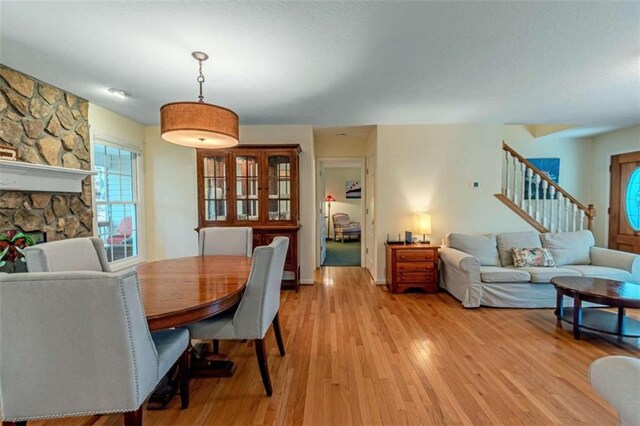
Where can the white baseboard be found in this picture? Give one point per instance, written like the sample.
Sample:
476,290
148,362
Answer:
381,281
306,281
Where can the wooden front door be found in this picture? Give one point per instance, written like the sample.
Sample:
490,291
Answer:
624,213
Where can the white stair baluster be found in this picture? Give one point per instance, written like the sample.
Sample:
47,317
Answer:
560,202
552,203
530,190
545,187
582,217
523,169
537,193
505,186
514,193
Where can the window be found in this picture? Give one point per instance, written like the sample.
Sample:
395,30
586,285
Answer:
116,199
633,200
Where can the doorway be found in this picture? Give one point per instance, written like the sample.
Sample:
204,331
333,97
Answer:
340,190
624,210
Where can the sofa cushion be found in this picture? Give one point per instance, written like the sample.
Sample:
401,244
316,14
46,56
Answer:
481,246
510,240
569,248
600,272
532,257
497,274
544,275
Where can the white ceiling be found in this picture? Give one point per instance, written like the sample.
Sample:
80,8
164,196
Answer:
337,64
343,134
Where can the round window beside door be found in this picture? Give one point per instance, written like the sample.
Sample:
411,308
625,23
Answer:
633,200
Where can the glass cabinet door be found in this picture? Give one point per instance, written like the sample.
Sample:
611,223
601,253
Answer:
215,189
247,181
279,183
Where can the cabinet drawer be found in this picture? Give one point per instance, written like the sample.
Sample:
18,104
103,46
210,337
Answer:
415,256
414,277
415,266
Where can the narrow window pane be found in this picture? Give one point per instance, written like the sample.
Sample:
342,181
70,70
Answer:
116,201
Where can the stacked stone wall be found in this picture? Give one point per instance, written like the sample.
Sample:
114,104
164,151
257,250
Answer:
47,126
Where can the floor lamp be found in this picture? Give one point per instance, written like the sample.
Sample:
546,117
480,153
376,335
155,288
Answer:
329,199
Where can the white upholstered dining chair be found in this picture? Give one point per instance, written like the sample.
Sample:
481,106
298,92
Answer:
231,241
218,241
617,380
75,254
257,310
78,343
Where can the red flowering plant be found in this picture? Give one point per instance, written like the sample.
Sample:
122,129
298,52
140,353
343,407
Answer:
12,245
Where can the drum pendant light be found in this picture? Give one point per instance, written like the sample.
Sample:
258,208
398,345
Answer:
199,124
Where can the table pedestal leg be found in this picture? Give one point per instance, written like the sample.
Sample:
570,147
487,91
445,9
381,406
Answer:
559,309
577,316
165,391
621,323
205,364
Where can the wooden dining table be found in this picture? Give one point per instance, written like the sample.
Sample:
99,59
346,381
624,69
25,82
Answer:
177,292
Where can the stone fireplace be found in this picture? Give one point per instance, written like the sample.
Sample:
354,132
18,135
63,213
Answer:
47,126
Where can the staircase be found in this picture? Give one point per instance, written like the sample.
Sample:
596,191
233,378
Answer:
538,200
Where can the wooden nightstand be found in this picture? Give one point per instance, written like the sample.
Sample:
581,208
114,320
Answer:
412,266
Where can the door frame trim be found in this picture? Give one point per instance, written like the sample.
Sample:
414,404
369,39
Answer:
320,162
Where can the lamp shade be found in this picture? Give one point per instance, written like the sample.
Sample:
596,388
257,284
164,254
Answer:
198,125
424,221
329,198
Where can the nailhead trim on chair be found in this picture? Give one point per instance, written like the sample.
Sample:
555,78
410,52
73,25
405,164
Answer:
84,413
43,261
261,309
133,353
57,416
253,266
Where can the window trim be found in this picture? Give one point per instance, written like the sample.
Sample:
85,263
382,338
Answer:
115,142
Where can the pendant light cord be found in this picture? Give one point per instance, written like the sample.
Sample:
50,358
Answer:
200,80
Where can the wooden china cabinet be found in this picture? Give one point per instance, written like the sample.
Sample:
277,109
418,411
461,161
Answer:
255,186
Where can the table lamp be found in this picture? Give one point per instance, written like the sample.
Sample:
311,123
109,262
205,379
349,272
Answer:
424,225
329,199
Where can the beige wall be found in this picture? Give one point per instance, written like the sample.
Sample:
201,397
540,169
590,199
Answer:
372,142
337,148
335,178
603,147
107,123
172,211
170,192
429,168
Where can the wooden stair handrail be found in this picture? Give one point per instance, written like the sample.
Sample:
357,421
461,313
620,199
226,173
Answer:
588,211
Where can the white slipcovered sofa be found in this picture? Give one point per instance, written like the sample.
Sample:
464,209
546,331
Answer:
478,269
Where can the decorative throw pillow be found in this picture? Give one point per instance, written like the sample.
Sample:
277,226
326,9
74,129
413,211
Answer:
532,257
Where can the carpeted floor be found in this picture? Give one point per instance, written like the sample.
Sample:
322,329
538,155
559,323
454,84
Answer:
343,254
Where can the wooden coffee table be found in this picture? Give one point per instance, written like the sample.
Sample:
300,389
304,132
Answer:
617,294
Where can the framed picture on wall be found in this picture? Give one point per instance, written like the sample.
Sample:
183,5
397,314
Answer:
551,169
353,189
8,153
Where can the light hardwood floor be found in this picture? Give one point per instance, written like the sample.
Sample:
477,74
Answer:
358,355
